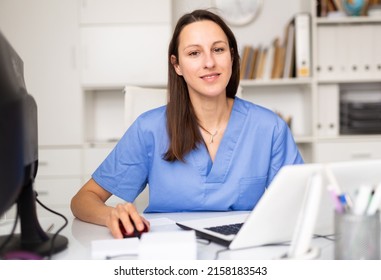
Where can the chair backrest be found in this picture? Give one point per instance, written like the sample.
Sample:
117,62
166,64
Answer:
138,100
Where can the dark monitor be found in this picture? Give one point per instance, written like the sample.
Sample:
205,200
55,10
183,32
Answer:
19,159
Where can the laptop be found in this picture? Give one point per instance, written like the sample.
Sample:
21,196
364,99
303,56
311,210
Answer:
275,216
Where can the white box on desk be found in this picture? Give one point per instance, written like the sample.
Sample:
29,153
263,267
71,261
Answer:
168,245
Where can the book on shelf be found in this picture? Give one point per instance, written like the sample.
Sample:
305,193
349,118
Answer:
326,7
289,44
260,63
279,53
244,61
332,5
254,63
249,63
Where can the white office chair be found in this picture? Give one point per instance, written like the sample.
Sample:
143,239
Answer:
138,100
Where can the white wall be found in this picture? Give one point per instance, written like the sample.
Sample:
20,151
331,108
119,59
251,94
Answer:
268,25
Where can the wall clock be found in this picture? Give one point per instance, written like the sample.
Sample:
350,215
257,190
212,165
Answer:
238,12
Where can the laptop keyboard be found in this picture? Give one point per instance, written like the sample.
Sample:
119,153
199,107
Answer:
227,229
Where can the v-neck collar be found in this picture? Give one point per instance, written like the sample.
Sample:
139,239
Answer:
215,172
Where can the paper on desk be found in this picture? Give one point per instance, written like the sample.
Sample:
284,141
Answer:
161,222
114,248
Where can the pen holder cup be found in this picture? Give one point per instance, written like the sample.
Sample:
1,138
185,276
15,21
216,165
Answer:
357,237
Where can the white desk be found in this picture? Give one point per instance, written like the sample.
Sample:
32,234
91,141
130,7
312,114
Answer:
80,235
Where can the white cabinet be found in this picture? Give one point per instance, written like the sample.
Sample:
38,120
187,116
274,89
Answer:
59,175
348,149
46,36
57,192
60,162
124,42
126,54
124,11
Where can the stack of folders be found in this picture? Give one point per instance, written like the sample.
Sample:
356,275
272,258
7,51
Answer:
349,51
360,111
360,117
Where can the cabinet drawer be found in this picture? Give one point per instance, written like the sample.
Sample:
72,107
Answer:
59,162
343,151
57,192
124,11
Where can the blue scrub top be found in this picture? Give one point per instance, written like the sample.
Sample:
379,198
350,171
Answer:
255,145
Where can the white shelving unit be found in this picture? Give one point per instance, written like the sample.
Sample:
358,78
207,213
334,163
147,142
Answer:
347,59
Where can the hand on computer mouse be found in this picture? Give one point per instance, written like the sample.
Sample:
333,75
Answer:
127,215
135,233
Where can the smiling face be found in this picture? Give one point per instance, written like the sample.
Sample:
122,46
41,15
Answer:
204,59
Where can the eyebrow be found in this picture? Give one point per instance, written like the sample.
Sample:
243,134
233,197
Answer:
214,43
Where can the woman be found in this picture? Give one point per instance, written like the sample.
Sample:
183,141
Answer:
207,150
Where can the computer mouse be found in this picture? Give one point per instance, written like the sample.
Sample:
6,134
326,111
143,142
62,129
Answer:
136,232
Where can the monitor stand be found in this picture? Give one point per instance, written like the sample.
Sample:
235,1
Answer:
32,240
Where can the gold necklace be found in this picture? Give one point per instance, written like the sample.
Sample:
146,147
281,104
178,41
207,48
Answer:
211,134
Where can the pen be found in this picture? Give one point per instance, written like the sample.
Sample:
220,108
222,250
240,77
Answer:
336,201
362,200
332,180
345,201
348,200
375,201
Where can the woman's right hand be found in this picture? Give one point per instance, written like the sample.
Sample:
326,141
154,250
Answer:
128,215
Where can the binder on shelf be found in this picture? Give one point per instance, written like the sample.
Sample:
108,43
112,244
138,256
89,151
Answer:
340,51
326,51
328,110
364,47
303,45
268,65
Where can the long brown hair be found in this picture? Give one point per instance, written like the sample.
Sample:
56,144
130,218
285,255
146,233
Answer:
182,125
